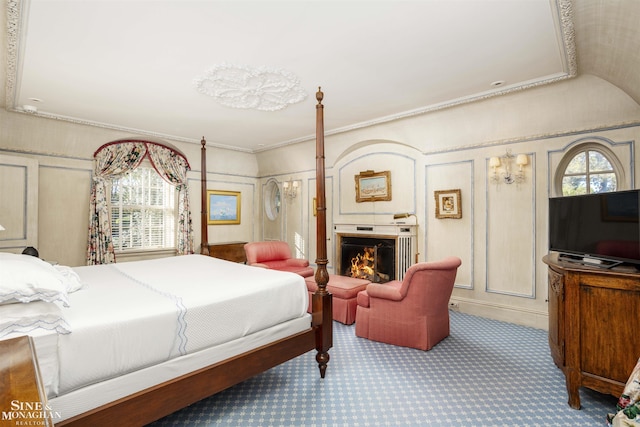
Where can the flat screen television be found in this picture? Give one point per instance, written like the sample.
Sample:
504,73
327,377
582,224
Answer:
600,229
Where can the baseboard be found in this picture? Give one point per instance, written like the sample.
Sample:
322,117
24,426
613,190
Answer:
505,313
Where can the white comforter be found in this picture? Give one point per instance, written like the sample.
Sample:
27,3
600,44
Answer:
137,314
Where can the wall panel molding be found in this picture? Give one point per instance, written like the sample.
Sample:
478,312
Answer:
19,204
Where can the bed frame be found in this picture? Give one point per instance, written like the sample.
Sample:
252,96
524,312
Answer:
159,401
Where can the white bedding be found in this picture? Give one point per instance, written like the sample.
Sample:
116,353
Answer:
134,315
100,393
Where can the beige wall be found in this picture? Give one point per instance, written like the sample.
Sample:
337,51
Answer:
501,237
62,153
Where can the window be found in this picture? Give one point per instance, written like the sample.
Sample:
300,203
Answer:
272,200
143,211
588,169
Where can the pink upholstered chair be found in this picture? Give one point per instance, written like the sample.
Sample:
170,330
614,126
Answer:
276,255
412,313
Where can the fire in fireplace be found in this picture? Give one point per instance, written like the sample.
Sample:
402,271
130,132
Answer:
368,258
392,247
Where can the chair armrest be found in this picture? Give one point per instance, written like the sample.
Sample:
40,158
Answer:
298,262
389,290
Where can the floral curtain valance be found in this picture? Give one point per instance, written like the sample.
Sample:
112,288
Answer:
115,159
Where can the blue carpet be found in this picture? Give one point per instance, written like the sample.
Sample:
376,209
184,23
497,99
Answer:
486,373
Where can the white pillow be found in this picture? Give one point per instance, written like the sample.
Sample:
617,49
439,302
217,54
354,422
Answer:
72,280
25,318
25,278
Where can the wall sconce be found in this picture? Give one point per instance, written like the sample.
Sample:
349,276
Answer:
1,228
508,177
407,215
290,189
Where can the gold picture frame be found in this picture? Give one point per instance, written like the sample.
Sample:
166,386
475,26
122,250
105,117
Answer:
223,207
448,204
373,186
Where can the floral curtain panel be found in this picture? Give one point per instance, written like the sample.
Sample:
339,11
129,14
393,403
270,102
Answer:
173,168
116,159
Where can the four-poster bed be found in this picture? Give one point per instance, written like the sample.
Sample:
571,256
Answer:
158,400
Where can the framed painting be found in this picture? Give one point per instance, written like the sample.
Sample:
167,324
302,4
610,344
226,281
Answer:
448,204
373,186
223,207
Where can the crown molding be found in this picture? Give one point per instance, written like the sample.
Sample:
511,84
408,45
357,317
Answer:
285,90
13,30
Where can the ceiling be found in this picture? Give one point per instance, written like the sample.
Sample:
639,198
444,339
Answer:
143,66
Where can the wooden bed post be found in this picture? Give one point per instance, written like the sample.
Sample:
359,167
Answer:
321,301
204,234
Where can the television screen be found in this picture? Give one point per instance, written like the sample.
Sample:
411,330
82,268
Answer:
601,226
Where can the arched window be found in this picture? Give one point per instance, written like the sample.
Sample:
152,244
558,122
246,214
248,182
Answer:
588,168
113,163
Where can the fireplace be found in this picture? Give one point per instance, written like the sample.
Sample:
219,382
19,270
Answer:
371,258
378,253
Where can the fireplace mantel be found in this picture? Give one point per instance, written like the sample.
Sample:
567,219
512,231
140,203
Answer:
404,236
392,229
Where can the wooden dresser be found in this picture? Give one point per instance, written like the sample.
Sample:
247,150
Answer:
593,319
231,251
22,395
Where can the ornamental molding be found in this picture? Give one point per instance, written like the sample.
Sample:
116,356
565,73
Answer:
556,284
259,88
13,29
565,12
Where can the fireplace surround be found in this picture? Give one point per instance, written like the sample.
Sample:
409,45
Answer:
376,252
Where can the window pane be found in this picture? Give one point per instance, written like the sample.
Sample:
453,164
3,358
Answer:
578,164
602,183
136,190
574,185
143,211
598,162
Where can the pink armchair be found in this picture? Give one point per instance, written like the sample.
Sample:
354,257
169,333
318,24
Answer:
412,313
276,255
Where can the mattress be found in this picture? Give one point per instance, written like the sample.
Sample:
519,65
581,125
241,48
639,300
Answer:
100,393
177,313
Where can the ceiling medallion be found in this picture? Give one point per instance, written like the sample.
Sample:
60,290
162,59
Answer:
241,86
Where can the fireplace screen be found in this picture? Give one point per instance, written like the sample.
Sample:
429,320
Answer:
368,258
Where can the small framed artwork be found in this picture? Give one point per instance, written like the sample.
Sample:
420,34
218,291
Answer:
223,207
373,186
448,204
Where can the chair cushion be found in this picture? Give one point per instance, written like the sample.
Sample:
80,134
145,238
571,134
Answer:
279,264
339,286
302,271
